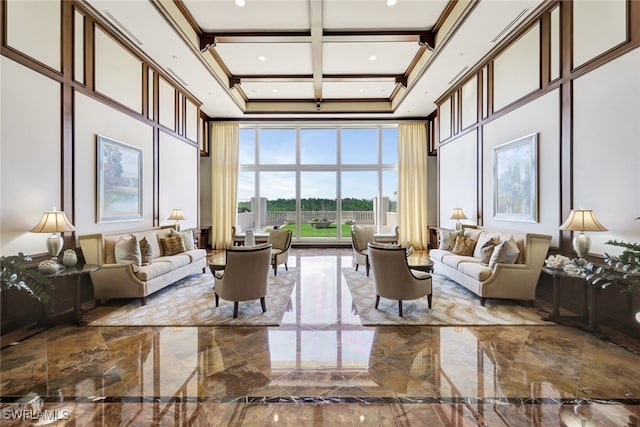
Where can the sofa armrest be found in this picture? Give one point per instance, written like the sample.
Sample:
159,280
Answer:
92,246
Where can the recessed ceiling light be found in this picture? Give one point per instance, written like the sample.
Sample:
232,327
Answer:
391,2
262,58
372,58
174,57
275,91
240,3
361,90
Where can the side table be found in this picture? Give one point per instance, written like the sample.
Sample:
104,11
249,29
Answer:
76,272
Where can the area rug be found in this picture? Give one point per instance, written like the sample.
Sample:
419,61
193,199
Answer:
452,305
191,302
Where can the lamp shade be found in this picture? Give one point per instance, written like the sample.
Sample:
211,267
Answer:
53,222
457,214
176,215
582,220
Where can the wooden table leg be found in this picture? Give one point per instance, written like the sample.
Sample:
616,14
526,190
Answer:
77,302
555,312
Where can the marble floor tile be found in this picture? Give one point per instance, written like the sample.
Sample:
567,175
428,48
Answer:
319,367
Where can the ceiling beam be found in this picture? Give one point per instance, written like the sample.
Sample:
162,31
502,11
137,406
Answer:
315,19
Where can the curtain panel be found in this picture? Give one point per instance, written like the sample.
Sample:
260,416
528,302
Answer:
412,184
224,182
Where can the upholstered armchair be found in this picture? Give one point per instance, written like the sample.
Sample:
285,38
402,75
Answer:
387,237
281,242
393,278
245,276
360,237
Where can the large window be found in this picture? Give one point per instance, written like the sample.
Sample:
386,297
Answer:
318,180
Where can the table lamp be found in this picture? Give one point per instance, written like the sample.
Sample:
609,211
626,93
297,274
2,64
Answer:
177,216
582,220
458,214
54,222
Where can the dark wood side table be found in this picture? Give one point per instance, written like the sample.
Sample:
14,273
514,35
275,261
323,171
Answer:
589,313
77,272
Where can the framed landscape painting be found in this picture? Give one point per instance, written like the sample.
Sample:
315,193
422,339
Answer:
515,180
119,181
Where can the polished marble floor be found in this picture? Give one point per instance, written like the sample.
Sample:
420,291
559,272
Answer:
319,367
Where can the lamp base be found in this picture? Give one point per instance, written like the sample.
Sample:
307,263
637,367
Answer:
458,226
581,244
55,242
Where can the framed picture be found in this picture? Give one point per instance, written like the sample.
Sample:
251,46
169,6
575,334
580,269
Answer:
119,180
515,180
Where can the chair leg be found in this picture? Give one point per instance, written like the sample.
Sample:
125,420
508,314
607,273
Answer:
263,304
400,307
286,267
377,301
357,266
235,309
429,299
217,299
368,267
275,269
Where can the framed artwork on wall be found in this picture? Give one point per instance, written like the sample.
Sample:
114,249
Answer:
515,180
119,181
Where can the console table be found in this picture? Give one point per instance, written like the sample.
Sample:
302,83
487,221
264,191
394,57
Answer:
77,272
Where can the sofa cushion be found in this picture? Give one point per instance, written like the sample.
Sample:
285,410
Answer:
438,254
196,254
505,253
127,251
187,238
455,260
176,261
448,238
464,246
483,238
486,251
172,245
158,268
473,233
152,238
146,252
110,249
473,269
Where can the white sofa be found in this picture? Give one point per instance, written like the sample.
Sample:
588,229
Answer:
128,280
517,280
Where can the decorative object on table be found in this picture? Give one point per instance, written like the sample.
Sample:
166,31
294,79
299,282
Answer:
177,216
69,258
458,214
623,268
54,222
15,275
49,266
249,238
557,261
582,220
515,170
119,181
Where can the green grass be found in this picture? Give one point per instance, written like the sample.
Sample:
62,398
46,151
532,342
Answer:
306,230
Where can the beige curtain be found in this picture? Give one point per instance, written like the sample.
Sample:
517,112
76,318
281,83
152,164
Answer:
224,182
412,184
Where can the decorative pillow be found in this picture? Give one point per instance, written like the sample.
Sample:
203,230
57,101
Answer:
505,253
146,251
187,238
483,238
127,251
448,238
464,246
486,250
172,245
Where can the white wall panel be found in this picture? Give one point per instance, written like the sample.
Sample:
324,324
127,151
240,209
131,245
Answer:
29,156
118,73
95,118
167,99
192,121
555,44
78,47
178,179
470,102
606,172
444,118
458,179
516,72
541,116
31,22
597,27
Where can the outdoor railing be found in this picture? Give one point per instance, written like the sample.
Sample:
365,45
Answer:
280,217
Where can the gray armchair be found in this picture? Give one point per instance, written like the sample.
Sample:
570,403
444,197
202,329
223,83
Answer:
393,278
281,242
245,276
360,237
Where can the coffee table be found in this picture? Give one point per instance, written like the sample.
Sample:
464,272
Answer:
419,260
217,260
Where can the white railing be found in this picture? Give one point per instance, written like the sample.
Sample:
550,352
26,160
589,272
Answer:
280,217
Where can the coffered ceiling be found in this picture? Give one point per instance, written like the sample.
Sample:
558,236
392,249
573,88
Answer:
316,58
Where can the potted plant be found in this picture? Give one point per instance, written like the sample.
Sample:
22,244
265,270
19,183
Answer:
319,222
623,269
14,274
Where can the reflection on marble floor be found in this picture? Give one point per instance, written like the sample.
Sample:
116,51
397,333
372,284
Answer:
319,367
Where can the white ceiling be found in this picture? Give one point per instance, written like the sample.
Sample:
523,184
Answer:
314,58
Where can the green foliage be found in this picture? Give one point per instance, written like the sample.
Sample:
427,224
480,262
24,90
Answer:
313,204
14,275
623,269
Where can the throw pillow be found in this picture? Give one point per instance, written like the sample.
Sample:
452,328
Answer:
187,238
505,253
448,238
464,246
146,251
127,251
172,245
487,250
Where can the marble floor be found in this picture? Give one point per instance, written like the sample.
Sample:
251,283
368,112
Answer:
319,367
